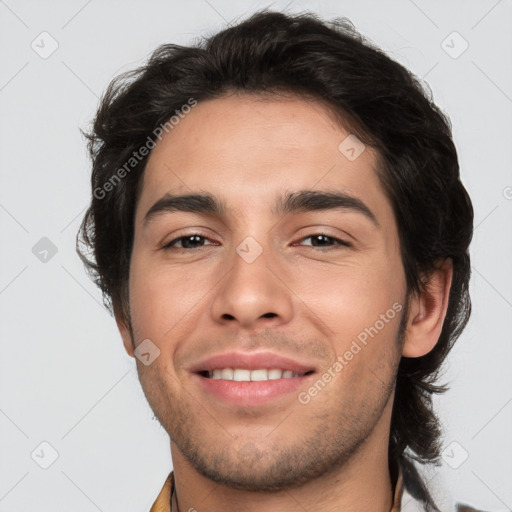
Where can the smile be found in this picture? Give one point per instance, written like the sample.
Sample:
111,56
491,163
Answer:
244,375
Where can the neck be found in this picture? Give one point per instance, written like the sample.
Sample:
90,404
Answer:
363,483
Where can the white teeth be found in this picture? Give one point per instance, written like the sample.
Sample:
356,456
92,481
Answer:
227,373
275,374
259,375
243,375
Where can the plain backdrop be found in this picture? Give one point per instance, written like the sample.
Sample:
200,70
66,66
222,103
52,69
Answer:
65,379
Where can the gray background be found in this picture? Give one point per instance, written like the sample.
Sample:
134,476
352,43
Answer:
64,376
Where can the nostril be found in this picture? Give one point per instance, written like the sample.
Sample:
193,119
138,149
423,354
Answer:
269,315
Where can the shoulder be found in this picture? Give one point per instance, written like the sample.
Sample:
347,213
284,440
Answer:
418,497
467,508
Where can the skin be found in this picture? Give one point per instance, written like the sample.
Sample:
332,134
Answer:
298,299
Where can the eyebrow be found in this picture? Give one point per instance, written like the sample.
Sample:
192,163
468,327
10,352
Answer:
292,202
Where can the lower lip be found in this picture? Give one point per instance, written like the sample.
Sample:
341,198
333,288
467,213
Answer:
253,393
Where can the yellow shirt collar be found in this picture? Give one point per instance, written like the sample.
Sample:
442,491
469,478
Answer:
163,501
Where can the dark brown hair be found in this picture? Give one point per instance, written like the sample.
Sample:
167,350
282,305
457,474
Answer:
377,98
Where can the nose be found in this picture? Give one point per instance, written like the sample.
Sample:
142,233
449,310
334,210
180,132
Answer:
253,294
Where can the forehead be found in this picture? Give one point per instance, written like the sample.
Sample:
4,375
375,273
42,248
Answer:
248,149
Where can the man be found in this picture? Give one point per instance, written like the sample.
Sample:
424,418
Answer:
279,227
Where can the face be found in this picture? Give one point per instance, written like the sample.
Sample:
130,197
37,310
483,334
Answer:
274,296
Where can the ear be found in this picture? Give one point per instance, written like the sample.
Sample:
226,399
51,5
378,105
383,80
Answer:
427,312
124,330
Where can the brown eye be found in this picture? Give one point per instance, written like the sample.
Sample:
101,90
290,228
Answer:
192,241
321,240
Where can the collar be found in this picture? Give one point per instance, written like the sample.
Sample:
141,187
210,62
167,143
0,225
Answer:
163,501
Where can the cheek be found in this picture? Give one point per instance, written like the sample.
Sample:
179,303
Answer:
351,297
164,299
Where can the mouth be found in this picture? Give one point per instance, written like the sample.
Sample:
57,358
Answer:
250,380
258,375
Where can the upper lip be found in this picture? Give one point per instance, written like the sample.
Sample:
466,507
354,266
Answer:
250,361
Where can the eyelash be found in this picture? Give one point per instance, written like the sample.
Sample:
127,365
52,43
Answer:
338,241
